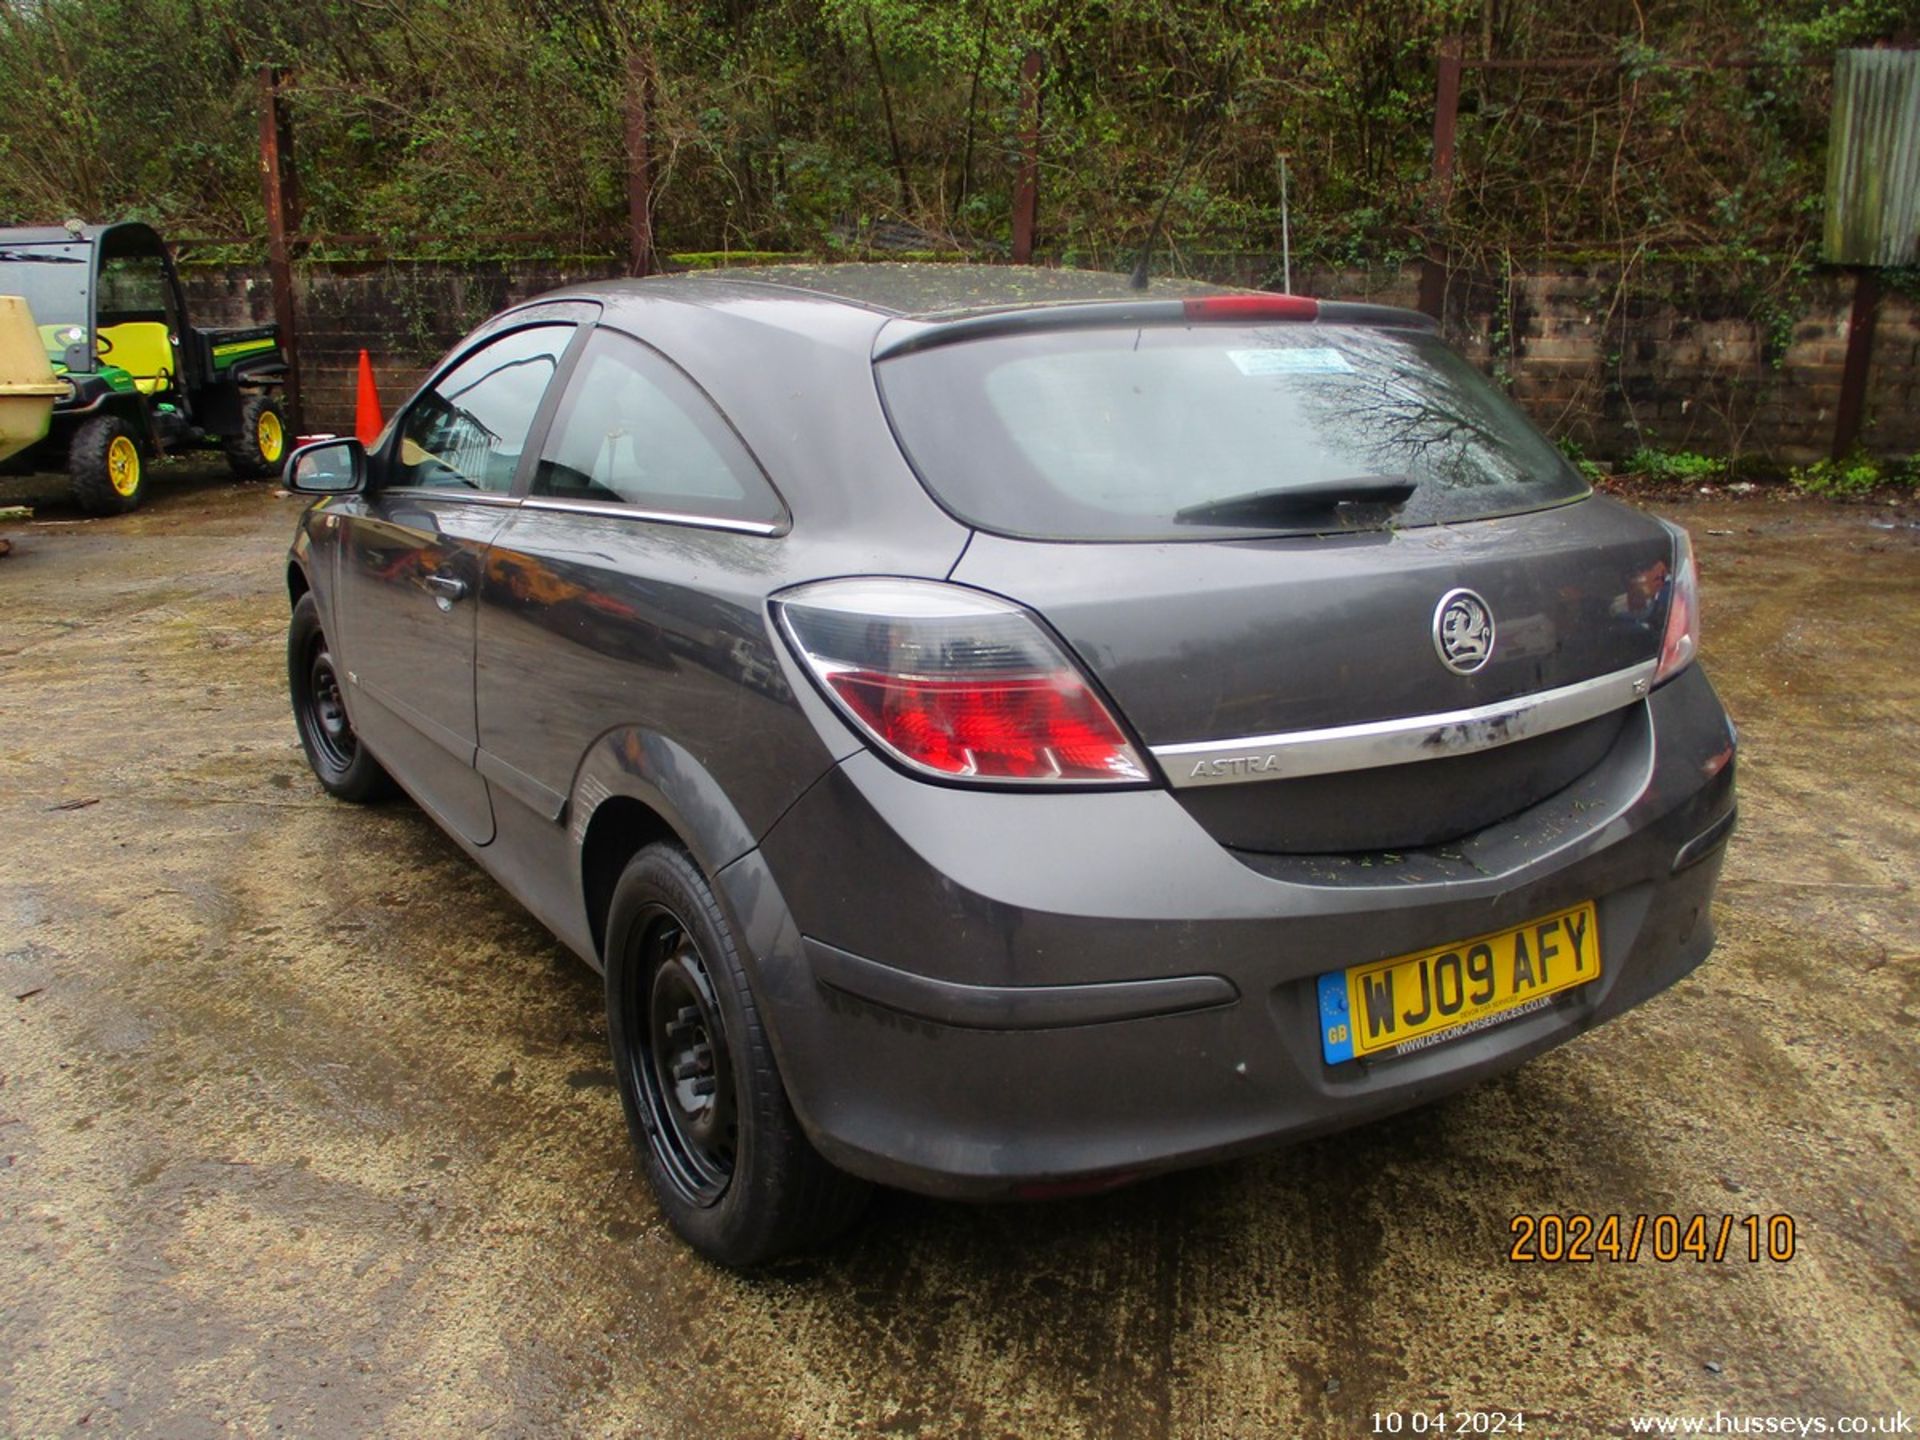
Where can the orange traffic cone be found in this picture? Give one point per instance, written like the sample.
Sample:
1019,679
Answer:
367,421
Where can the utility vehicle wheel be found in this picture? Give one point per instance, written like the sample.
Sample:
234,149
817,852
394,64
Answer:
705,1105
256,452
105,469
344,766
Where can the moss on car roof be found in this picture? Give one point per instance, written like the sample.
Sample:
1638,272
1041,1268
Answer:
927,292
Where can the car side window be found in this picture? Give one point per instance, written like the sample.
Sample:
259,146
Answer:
467,431
634,430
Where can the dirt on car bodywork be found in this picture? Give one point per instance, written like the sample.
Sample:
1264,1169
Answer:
304,1124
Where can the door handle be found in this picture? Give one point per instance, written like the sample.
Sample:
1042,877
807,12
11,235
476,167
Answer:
446,589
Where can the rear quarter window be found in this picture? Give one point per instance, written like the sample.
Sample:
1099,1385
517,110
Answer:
634,430
1110,433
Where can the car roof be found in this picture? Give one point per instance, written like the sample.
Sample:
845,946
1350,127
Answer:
948,300
917,291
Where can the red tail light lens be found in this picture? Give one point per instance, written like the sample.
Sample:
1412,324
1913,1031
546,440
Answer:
1682,638
956,683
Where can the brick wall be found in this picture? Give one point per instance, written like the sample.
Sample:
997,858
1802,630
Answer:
406,314
1677,358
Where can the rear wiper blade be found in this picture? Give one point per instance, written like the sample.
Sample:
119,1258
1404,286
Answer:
1259,506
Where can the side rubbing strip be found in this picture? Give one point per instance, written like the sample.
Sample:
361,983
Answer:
1400,741
1701,846
1014,1007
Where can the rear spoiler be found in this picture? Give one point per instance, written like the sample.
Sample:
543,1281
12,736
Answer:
1246,309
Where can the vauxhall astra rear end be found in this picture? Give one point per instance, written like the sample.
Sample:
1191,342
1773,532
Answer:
1000,734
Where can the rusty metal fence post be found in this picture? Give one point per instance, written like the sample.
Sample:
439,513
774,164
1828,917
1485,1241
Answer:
1852,407
640,161
1026,185
276,188
1446,112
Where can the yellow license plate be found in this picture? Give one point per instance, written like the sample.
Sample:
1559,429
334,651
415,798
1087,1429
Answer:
1456,988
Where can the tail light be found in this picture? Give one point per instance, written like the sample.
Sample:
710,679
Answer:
955,683
1251,307
1682,636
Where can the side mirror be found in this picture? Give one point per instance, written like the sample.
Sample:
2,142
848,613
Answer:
327,467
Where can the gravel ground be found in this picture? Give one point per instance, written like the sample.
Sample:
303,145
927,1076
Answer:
306,1127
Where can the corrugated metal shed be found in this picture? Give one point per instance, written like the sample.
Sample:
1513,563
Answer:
1873,159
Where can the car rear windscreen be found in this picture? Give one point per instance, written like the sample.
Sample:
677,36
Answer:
1199,432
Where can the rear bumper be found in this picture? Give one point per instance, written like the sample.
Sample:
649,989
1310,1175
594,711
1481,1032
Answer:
975,993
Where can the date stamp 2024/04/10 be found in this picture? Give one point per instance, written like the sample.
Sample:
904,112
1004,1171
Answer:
1581,1239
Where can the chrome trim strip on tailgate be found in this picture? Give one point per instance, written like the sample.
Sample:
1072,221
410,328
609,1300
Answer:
1397,742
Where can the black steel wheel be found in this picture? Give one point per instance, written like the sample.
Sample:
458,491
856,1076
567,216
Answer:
341,763
685,1072
717,1138
326,711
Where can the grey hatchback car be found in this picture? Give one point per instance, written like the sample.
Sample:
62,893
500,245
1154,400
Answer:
1002,734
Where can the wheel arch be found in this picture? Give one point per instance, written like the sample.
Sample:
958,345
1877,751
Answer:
635,787
133,410
619,829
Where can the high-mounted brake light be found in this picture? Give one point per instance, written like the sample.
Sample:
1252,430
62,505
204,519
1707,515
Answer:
1251,307
955,683
1682,638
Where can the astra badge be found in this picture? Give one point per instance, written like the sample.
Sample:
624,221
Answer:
1462,631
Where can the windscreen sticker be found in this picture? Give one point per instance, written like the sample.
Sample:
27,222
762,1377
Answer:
1306,360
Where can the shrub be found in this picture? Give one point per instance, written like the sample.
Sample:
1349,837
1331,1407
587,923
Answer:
1676,467
1855,475
1577,455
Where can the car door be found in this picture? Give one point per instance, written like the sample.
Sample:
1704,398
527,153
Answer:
628,588
411,559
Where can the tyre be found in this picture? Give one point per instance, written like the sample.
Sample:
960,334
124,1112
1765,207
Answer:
105,467
705,1105
345,767
260,447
